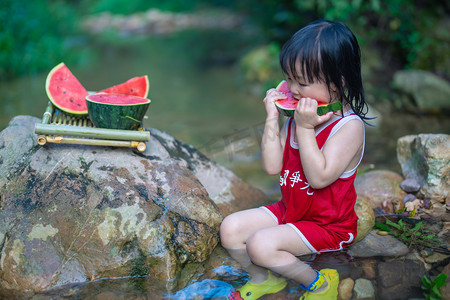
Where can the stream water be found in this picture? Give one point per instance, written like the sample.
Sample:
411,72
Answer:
202,101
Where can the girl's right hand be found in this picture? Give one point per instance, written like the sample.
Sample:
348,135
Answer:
269,102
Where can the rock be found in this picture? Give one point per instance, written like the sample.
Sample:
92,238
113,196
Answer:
369,268
380,186
410,185
364,289
408,198
430,92
424,158
400,279
345,289
228,192
377,245
366,218
73,213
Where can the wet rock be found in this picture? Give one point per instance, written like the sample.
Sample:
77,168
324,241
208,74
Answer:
366,218
400,279
409,197
72,213
345,289
436,258
377,245
424,158
369,268
410,185
364,289
380,186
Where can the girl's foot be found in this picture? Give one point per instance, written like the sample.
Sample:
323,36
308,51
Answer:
330,293
250,290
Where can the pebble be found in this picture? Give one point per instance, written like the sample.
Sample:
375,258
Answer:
382,232
345,289
410,185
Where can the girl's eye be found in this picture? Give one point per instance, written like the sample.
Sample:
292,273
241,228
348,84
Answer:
301,84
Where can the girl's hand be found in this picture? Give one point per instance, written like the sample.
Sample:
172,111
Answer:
306,114
269,102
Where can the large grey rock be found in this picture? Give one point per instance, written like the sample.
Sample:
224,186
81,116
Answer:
377,245
430,92
72,213
425,158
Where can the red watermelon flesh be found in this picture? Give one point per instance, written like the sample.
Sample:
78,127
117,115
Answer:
136,86
65,91
117,99
287,106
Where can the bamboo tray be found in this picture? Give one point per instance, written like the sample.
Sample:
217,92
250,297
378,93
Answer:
58,127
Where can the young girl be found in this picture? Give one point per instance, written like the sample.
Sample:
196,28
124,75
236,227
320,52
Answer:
316,157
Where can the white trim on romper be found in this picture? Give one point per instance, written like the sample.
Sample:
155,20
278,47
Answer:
270,213
304,239
350,240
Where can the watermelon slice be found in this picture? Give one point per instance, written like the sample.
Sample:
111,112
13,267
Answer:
136,86
65,91
117,111
287,106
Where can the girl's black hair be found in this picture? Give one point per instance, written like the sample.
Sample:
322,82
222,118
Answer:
328,52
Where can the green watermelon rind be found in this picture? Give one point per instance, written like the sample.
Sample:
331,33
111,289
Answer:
51,98
117,116
288,112
323,109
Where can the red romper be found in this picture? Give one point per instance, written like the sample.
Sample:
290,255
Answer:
325,218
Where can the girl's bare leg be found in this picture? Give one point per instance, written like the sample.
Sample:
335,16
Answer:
234,233
276,248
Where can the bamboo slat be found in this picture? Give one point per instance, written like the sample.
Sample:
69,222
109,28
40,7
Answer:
58,127
92,132
42,140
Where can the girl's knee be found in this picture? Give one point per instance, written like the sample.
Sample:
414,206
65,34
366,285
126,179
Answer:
259,249
228,230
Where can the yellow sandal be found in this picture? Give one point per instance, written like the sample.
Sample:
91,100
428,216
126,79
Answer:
330,293
252,291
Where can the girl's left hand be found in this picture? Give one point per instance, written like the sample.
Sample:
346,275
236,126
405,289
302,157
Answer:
306,114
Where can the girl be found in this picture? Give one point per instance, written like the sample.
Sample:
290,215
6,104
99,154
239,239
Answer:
316,157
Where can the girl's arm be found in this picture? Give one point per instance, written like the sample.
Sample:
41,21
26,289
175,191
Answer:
340,153
272,143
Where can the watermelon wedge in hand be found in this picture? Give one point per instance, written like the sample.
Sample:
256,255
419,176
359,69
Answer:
287,106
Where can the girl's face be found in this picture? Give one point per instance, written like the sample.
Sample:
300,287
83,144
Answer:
301,88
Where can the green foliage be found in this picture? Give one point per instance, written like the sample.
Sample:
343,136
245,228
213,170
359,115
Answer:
431,289
416,32
33,35
414,236
134,6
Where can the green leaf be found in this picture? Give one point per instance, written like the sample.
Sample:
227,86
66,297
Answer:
426,282
382,226
417,227
436,292
397,226
440,280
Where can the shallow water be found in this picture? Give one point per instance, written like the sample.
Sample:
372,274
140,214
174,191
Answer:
202,102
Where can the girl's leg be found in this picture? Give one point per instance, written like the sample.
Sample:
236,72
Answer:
234,232
276,248
239,226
